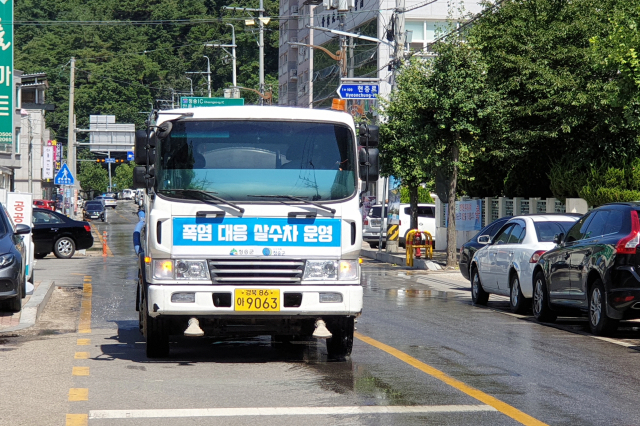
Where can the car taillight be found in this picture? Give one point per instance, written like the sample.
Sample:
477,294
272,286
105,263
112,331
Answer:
628,244
366,221
536,256
87,228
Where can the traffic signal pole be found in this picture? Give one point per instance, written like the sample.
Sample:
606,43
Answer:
109,156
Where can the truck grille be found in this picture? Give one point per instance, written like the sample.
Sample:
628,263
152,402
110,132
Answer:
256,272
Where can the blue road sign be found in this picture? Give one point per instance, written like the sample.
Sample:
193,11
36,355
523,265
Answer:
358,91
129,155
109,160
64,176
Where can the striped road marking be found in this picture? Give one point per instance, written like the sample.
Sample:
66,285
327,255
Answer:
285,411
393,232
495,403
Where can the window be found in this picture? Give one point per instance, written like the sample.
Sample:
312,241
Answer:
596,226
614,223
426,212
502,237
546,231
517,234
424,32
43,217
577,231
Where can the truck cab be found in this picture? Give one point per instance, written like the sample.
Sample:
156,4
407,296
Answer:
253,224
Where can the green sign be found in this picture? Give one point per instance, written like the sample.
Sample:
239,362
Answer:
193,102
6,72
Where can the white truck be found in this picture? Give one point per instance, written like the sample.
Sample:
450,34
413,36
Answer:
253,224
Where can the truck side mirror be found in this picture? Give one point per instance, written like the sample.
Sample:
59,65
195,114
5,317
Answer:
369,164
139,177
369,135
140,151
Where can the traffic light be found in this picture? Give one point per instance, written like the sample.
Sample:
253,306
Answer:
99,160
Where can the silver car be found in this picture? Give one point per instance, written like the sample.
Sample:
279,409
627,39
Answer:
371,227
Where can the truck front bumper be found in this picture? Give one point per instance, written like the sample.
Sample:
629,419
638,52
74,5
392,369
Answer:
160,304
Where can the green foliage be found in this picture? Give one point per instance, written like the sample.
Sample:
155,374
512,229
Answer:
566,181
610,184
423,195
123,177
93,176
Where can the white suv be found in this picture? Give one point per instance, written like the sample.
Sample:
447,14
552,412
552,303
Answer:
426,220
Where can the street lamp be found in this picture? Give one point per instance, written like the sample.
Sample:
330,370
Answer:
208,74
233,52
190,84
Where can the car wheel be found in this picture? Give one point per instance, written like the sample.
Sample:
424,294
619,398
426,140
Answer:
478,295
541,309
15,303
599,322
64,248
340,345
40,255
157,336
517,300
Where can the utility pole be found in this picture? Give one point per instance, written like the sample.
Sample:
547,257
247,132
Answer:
398,37
71,139
261,46
190,84
109,166
311,58
233,55
208,75
30,154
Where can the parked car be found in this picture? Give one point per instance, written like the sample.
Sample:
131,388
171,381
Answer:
45,204
593,270
12,263
469,248
94,209
426,220
127,194
109,201
371,226
505,265
55,232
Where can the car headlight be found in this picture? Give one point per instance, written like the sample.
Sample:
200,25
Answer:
330,270
180,269
6,260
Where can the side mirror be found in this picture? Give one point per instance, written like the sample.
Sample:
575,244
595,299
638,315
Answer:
23,229
369,135
369,164
484,239
140,151
164,129
558,238
139,177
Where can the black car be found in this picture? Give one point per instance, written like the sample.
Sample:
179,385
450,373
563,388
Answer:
56,232
94,210
594,269
12,263
469,248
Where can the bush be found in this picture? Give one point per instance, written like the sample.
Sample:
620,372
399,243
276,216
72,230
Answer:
566,182
423,195
610,184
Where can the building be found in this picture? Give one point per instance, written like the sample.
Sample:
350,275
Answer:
34,135
309,78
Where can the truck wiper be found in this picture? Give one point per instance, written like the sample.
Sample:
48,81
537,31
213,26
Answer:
207,194
292,197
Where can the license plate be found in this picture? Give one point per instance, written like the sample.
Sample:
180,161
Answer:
257,300
375,222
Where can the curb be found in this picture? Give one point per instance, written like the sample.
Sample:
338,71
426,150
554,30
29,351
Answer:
34,307
428,265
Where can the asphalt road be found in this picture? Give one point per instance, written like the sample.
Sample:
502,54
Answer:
423,355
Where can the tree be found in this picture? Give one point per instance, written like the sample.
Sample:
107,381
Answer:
123,178
93,176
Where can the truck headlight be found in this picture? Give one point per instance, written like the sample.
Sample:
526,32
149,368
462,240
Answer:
330,270
180,269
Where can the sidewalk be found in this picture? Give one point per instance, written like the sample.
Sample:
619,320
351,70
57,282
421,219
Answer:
399,257
32,307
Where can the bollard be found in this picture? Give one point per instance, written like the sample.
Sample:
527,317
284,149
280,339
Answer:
104,243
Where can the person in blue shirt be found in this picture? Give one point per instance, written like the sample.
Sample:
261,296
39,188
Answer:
137,231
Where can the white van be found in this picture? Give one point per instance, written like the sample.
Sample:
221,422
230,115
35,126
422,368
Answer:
127,194
426,220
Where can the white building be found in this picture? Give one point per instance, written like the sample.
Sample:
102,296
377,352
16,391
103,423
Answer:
309,78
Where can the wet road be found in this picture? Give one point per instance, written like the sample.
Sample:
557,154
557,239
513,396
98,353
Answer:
423,355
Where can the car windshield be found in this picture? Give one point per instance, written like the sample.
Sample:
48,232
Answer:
375,211
547,230
93,206
241,160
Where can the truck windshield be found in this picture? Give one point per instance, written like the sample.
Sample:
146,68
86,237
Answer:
241,160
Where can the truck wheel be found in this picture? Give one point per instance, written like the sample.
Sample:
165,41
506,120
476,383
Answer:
157,337
339,346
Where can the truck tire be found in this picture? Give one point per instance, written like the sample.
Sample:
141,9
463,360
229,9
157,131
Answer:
339,346
157,337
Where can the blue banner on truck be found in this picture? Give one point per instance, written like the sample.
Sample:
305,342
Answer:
190,231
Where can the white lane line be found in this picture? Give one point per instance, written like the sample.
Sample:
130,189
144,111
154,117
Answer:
285,411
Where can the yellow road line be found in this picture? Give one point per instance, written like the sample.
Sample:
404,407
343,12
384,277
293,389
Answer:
503,407
84,325
80,371
83,342
78,394
81,355
77,420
